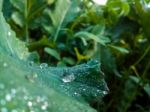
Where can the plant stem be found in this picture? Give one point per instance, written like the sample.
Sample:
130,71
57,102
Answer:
145,53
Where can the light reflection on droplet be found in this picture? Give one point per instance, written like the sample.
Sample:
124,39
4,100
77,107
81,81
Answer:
29,103
8,97
25,97
105,92
68,78
43,65
9,33
5,64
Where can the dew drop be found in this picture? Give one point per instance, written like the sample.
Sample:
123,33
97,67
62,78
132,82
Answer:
31,77
25,97
9,33
13,91
84,89
8,97
75,93
2,102
14,110
38,99
5,64
68,78
43,65
44,106
105,92
29,103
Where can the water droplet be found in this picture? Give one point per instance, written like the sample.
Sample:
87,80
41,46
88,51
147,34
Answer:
31,77
68,78
44,106
5,64
84,89
25,97
43,65
2,102
105,92
14,110
29,103
75,93
38,99
9,33
8,97
13,91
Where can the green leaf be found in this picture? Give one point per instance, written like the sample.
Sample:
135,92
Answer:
100,39
27,86
52,52
147,89
120,49
10,44
65,11
18,19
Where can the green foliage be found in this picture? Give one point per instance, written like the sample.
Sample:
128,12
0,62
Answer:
69,32
62,87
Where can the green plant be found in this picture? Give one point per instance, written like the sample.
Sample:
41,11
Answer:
70,32
62,87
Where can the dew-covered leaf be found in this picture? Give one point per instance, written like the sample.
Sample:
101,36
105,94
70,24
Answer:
27,86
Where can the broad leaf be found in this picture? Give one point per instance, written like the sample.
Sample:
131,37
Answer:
30,87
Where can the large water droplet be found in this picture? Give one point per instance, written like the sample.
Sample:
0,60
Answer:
68,78
43,65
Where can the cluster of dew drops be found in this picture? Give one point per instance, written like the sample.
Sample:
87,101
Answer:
10,100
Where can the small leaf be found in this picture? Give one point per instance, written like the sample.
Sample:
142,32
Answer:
120,49
147,89
100,39
52,52
18,18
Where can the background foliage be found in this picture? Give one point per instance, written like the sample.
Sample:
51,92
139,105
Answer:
66,33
